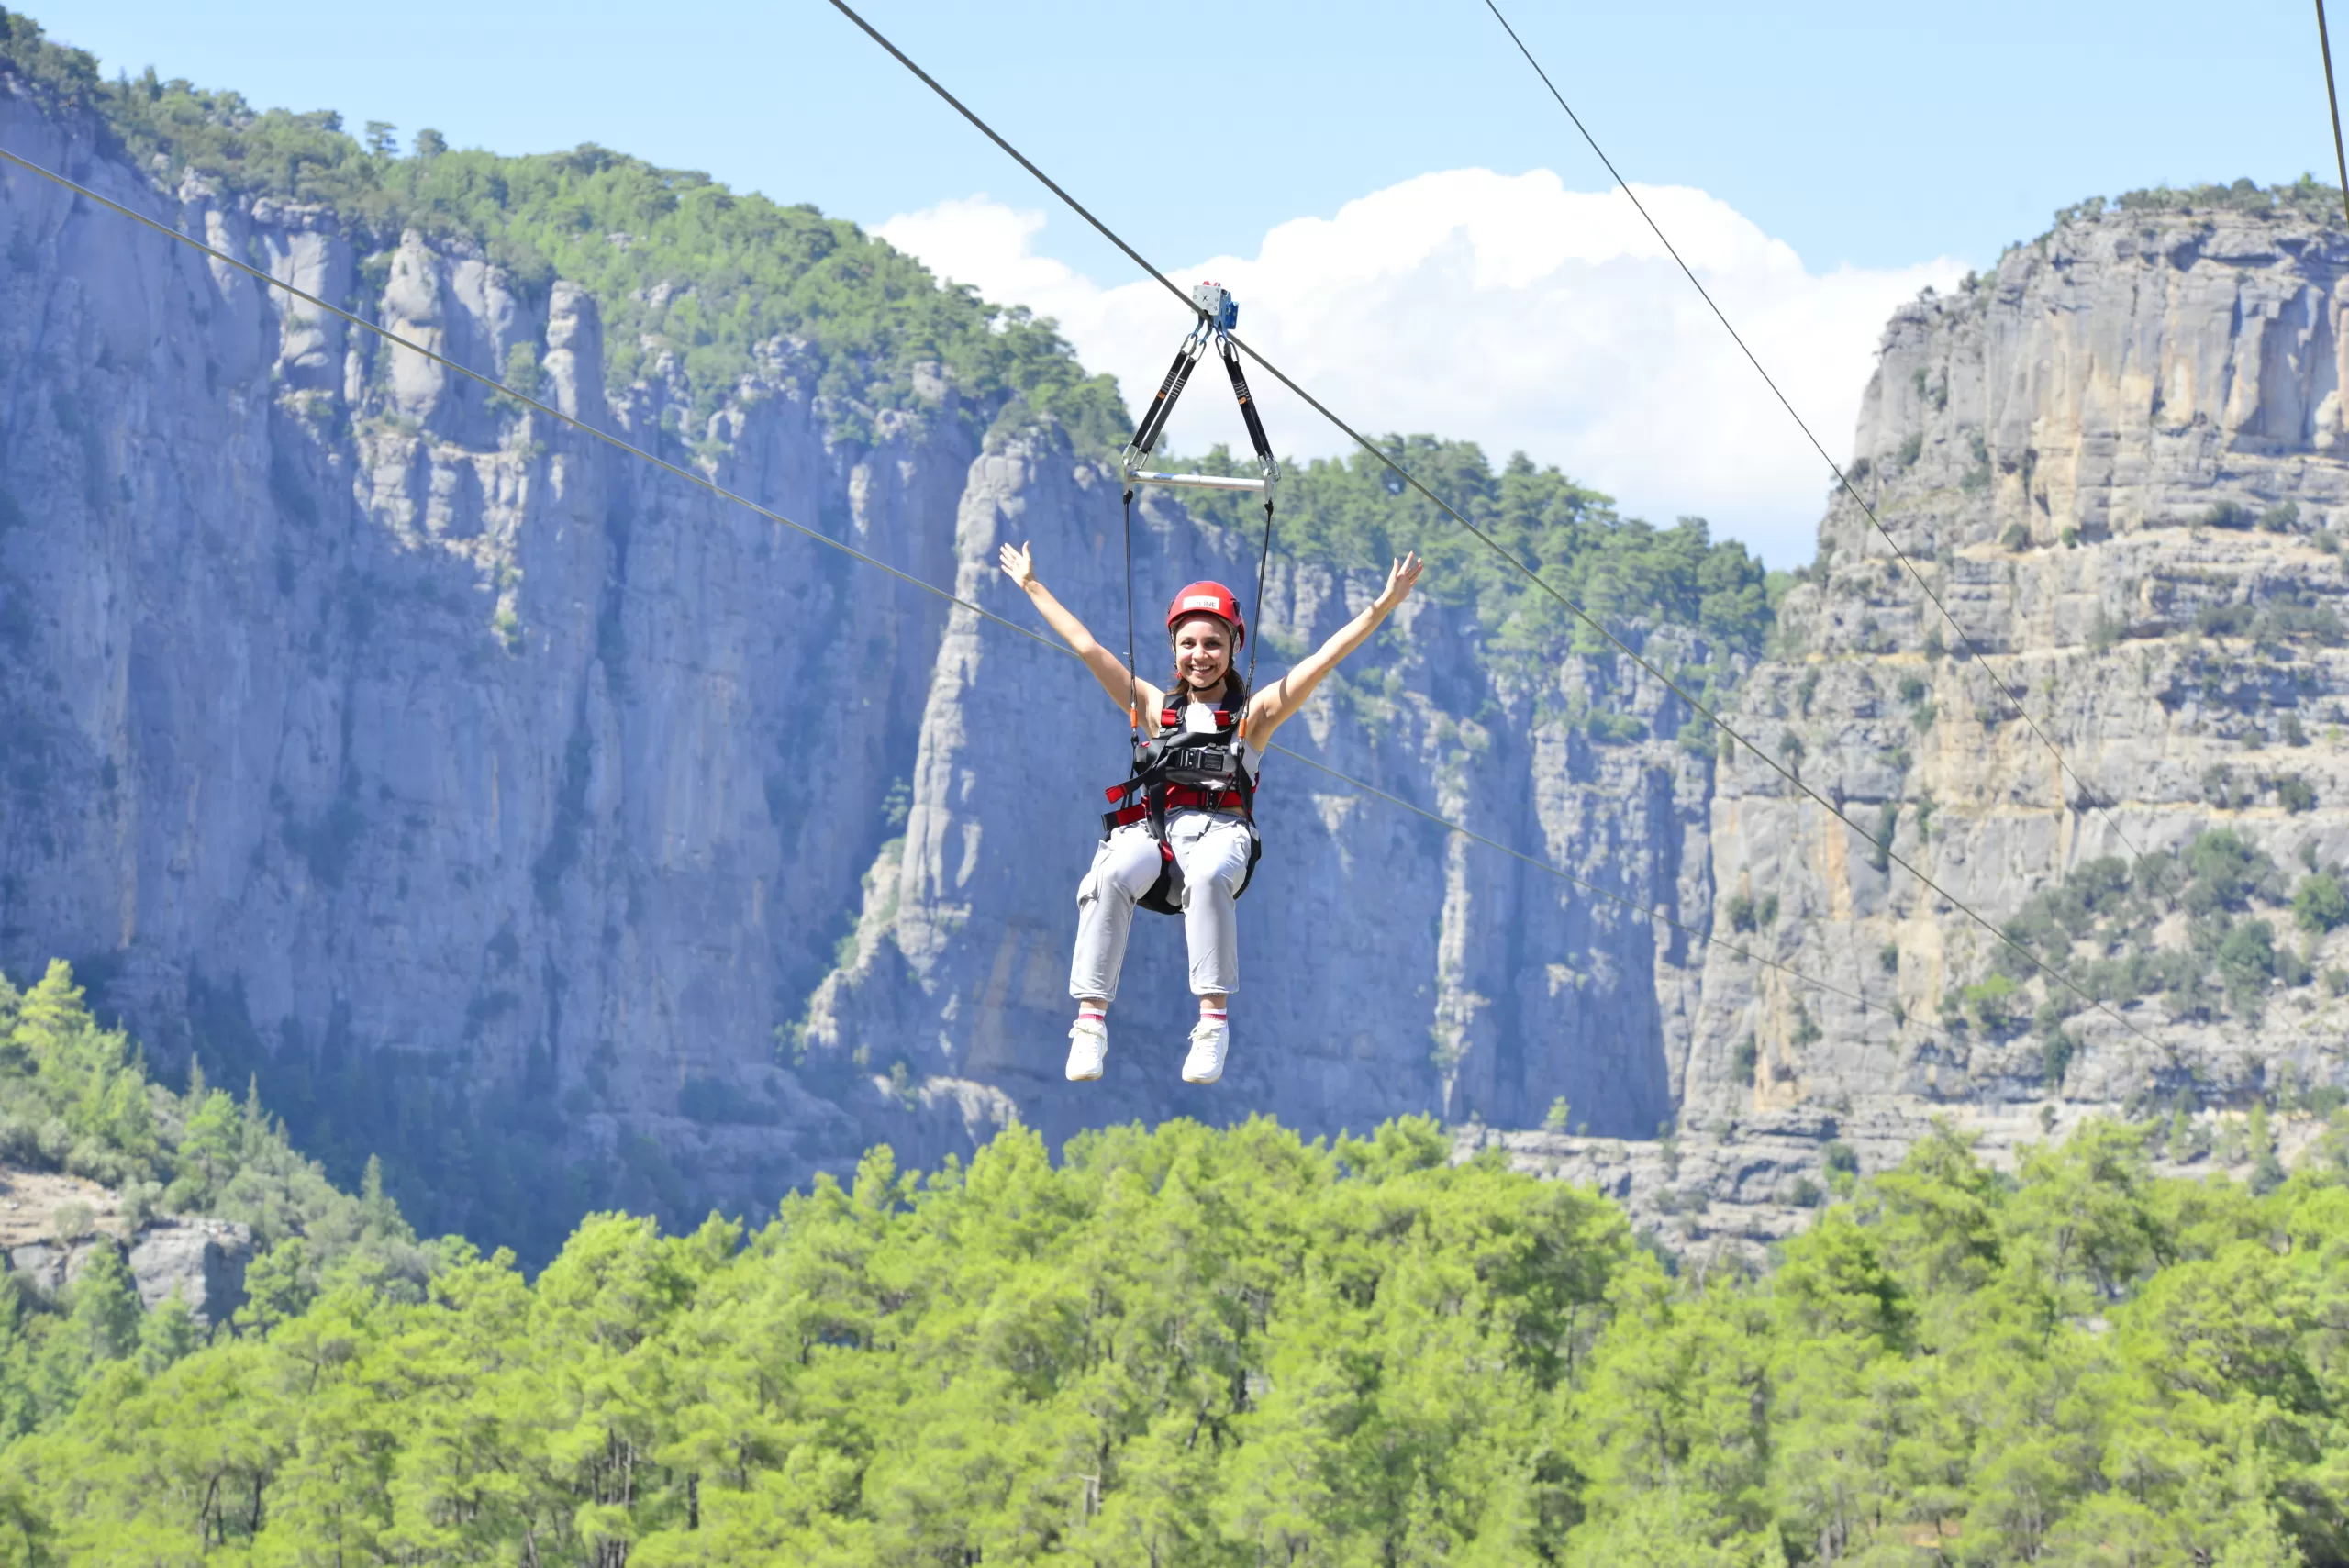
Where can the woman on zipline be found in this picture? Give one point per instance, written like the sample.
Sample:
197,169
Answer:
1202,840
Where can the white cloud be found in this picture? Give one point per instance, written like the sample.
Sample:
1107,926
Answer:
1508,310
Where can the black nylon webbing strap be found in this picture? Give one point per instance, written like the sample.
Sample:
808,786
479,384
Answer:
1272,472
1133,676
1145,431
1162,407
1264,560
1247,407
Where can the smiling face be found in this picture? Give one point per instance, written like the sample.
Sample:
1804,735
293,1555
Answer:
1202,650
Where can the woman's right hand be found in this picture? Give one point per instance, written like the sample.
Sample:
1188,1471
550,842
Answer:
1401,579
1115,680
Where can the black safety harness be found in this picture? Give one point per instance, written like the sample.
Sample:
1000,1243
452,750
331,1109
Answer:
1180,770
1183,770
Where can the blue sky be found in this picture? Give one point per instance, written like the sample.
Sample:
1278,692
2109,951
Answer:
1877,144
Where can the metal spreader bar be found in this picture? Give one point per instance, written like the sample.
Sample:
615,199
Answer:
1202,481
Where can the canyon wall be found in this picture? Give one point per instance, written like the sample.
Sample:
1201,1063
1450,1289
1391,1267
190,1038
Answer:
2117,459
570,835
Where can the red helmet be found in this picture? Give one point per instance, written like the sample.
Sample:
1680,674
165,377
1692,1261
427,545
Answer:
1212,599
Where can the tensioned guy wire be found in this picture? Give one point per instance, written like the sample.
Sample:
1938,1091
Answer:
1842,478
1883,845
1656,914
720,491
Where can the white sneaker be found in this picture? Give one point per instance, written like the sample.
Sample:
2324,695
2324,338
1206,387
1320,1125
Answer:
1210,1043
1088,1048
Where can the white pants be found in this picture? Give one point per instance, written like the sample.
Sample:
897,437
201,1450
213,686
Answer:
1213,853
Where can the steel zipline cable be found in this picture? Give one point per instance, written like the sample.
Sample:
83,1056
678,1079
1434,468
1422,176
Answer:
1882,846
705,482
2332,101
1842,479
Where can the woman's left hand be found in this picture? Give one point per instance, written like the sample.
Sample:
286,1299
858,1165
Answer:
1399,579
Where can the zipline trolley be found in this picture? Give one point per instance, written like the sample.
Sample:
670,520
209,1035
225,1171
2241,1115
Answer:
1218,314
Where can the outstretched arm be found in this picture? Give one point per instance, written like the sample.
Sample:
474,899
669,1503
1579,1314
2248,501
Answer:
1269,707
1106,668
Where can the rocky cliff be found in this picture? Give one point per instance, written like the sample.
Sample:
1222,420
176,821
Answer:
52,1224
571,837
2118,460
388,743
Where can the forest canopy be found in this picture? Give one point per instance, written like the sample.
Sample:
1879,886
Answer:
1188,1346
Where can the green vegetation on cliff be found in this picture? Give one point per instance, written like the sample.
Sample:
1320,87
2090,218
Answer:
75,1098
1224,1348
677,261
2100,926
2306,197
1351,513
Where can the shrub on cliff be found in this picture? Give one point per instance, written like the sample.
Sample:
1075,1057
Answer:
2319,902
2100,927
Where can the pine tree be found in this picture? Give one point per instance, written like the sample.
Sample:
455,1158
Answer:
279,1285
103,1322
169,1333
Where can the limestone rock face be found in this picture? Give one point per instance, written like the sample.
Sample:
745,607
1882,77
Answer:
360,728
1723,1194
2117,461
1389,968
479,786
201,1260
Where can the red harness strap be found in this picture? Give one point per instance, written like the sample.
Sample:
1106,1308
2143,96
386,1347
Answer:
1179,797
1182,798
